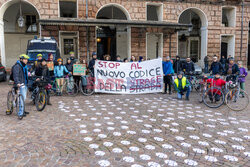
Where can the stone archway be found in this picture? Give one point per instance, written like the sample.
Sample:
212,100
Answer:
112,39
197,36
13,40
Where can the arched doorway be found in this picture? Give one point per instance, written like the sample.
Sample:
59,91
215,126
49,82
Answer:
113,40
193,42
14,38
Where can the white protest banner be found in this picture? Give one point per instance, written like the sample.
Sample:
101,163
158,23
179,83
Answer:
129,78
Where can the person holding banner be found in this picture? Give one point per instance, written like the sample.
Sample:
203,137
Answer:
133,59
168,71
182,85
92,62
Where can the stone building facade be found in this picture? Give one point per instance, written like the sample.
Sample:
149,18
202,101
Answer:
217,28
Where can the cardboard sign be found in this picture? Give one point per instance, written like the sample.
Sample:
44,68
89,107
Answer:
129,78
50,65
79,69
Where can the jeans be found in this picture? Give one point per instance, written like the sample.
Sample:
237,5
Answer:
23,91
188,89
206,68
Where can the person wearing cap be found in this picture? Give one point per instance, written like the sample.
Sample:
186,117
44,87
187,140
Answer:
43,71
216,82
168,71
59,71
92,62
182,85
20,77
37,62
216,66
177,65
72,57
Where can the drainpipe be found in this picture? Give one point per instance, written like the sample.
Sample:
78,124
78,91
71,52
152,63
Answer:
170,43
87,31
242,24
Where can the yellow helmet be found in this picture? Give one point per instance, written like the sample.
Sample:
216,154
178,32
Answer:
24,56
39,55
71,53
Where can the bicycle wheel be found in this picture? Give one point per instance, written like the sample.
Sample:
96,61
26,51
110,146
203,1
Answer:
88,89
10,104
20,104
41,100
237,99
213,97
53,88
71,88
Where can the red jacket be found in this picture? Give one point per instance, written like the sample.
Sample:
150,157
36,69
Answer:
216,83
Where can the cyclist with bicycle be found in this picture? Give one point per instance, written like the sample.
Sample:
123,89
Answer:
216,66
59,74
20,77
216,82
43,71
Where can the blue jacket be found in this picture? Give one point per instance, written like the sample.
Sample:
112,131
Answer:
59,71
216,67
167,68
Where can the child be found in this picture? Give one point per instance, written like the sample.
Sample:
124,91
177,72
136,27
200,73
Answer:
242,75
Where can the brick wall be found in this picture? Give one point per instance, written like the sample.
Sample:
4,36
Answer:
137,11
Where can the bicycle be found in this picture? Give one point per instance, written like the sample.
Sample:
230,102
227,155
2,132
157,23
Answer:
236,99
69,87
39,94
193,80
87,84
14,101
213,96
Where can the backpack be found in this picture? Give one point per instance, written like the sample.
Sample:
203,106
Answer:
11,73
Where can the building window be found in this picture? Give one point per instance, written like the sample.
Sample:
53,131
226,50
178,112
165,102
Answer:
68,8
228,16
227,45
68,46
31,24
154,12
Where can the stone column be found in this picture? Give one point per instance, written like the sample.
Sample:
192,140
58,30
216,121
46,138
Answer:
2,45
204,34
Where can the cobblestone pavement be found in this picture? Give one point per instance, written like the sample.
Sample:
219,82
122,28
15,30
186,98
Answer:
124,130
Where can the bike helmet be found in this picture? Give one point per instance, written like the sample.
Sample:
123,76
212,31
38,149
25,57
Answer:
39,55
24,56
71,53
231,59
60,60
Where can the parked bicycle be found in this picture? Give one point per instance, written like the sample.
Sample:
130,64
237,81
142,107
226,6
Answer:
15,101
87,84
68,87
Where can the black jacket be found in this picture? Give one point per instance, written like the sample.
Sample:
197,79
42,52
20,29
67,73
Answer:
91,65
43,71
177,66
69,67
223,61
20,73
235,69
216,67
189,67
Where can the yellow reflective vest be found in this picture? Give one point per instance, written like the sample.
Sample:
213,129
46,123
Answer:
183,81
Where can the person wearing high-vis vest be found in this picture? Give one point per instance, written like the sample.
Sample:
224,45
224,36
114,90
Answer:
182,85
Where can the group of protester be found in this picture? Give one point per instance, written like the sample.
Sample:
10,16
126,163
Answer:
217,68
41,68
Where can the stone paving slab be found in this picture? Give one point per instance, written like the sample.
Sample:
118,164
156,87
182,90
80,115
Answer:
124,130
